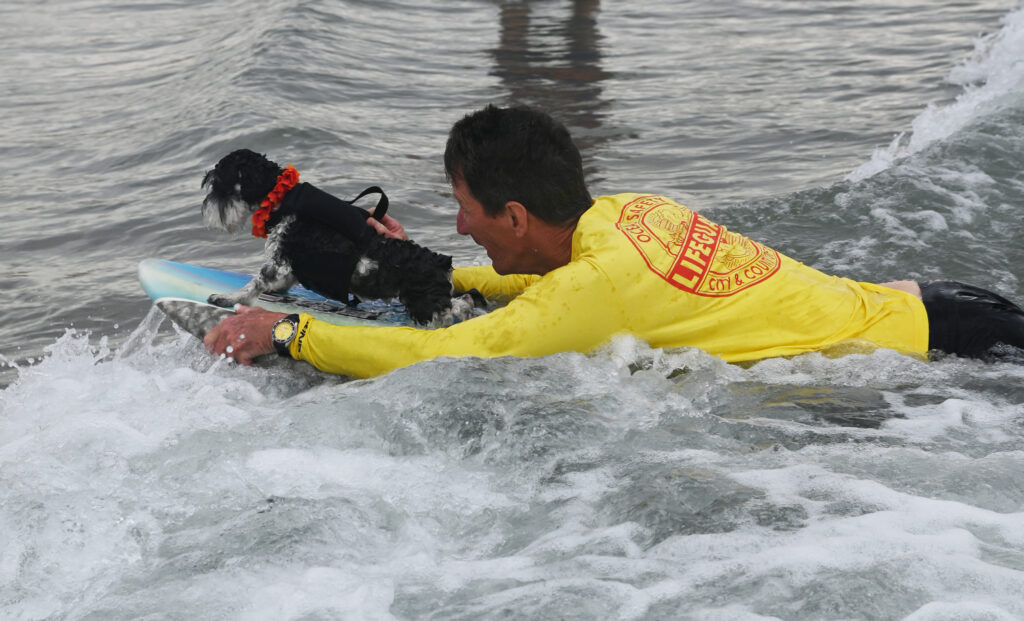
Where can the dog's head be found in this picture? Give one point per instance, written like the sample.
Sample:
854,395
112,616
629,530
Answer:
236,186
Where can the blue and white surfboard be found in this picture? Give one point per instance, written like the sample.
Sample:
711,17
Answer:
181,291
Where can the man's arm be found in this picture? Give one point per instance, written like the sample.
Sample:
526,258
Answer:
910,286
549,320
571,309
492,286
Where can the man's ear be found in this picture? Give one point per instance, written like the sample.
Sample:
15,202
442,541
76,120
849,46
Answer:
518,217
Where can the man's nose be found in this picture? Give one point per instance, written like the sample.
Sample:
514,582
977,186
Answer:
460,224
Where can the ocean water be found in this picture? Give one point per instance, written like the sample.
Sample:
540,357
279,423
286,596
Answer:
142,479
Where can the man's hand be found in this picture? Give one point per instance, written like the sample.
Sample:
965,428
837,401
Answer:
245,335
388,227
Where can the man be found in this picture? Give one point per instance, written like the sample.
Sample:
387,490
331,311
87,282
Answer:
577,271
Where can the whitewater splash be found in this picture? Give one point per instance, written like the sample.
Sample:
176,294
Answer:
634,483
992,76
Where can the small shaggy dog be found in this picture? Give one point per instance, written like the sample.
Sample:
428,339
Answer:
324,242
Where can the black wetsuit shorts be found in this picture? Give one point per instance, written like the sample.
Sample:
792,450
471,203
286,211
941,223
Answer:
969,321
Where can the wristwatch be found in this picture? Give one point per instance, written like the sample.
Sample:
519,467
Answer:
283,334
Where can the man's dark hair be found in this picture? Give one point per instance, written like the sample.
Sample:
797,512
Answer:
518,154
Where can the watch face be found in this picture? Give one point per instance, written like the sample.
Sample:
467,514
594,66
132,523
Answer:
283,330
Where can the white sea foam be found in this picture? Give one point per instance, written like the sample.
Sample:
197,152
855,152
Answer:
960,611
993,71
158,478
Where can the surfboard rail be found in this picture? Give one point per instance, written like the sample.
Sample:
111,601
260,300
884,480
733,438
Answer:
162,278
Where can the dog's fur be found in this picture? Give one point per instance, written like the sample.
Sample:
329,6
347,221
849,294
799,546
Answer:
325,244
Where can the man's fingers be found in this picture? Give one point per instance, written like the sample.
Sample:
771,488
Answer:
217,339
211,337
222,343
214,339
243,336
388,227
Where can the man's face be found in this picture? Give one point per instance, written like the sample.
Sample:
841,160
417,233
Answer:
494,233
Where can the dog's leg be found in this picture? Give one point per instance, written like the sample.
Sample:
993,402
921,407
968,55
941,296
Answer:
271,278
275,275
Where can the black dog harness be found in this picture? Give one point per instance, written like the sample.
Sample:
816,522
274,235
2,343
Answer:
343,216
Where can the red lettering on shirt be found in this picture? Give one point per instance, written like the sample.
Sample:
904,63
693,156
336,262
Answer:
691,252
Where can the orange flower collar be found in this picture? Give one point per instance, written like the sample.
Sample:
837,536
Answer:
285,182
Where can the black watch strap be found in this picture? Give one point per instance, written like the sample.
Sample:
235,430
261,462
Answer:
283,333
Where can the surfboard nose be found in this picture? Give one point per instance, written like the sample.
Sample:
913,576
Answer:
161,278
193,317
148,269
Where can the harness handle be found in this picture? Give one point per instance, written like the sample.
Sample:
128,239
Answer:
382,203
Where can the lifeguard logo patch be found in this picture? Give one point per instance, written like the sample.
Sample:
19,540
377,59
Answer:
691,252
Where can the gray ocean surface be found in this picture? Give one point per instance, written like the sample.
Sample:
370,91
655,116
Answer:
142,479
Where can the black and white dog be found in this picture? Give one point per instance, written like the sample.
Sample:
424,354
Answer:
324,242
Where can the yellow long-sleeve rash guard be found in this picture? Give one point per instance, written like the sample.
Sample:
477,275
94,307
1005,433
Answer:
646,266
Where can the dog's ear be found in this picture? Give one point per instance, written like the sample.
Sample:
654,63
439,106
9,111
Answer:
208,180
235,187
242,175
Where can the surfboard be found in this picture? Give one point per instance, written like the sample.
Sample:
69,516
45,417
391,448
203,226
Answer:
180,290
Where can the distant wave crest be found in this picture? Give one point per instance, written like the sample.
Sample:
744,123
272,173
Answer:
994,70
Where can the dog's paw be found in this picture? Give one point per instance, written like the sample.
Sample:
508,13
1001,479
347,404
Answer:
465,306
223,300
473,296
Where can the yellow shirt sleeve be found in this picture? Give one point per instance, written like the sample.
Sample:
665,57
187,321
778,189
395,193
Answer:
545,319
494,287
